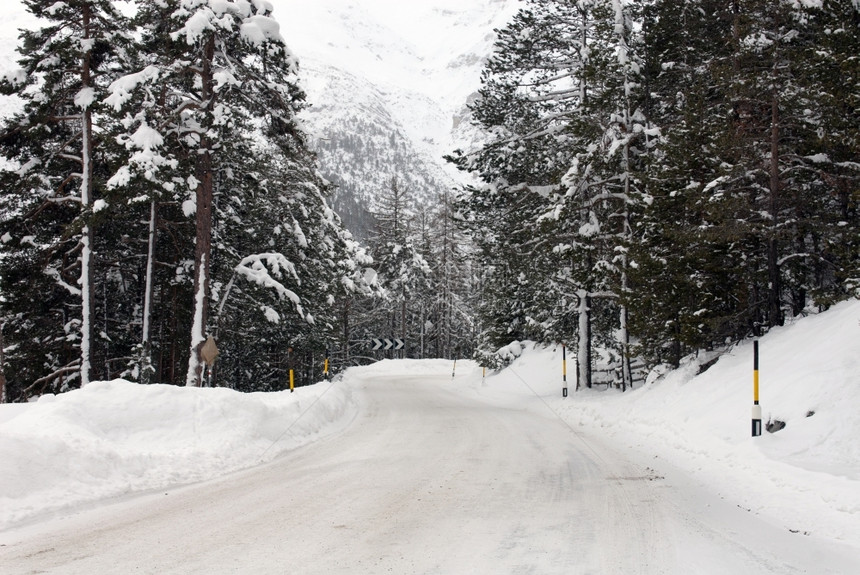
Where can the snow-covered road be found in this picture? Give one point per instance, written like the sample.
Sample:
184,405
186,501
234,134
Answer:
426,479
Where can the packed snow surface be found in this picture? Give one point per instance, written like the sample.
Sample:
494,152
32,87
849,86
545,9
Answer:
669,467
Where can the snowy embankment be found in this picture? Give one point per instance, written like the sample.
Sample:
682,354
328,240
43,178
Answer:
805,477
115,438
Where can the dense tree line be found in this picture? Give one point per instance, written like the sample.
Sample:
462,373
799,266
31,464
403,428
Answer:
662,177
158,191
658,178
425,270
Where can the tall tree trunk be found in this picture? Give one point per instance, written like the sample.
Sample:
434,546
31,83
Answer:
145,366
86,279
347,305
627,235
203,246
583,355
403,325
150,268
774,303
2,372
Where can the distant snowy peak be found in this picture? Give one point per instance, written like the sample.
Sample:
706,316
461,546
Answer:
362,144
390,40
388,83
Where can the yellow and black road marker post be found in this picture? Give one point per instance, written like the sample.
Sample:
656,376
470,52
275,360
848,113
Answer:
290,366
756,409
564,370
325,365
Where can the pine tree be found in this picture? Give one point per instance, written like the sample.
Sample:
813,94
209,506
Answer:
526,152
218,67
402,268
681,295
49,197
563,100
824,265
750,205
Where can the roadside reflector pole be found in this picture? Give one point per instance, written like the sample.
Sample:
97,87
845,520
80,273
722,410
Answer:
454,371
290,366
483,376
564,370
325,365
756,409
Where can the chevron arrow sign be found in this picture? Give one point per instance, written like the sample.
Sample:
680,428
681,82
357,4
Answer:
387,343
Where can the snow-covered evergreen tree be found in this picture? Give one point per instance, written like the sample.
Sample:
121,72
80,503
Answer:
562,98
750,206
402,267
50,198
222,77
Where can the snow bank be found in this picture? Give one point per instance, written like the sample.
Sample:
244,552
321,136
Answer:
806,476
114,438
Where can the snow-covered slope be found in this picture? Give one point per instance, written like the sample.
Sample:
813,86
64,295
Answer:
388,84
805,477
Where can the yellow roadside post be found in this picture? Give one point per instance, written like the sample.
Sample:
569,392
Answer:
756,409
290,366
325,365
564,370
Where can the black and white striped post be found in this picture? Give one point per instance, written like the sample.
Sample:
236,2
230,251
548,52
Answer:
564,370
756,409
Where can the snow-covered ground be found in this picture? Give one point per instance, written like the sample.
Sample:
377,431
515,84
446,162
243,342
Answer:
805,477
691,433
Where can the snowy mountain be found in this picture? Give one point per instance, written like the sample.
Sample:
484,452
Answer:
387,82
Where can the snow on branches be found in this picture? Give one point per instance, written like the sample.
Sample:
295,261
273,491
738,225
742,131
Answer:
267,270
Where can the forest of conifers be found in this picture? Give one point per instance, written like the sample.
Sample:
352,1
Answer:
663,177
657,177
157,191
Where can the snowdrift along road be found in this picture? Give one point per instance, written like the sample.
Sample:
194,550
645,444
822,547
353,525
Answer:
430,476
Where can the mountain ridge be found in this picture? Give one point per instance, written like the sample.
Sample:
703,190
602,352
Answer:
418,67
